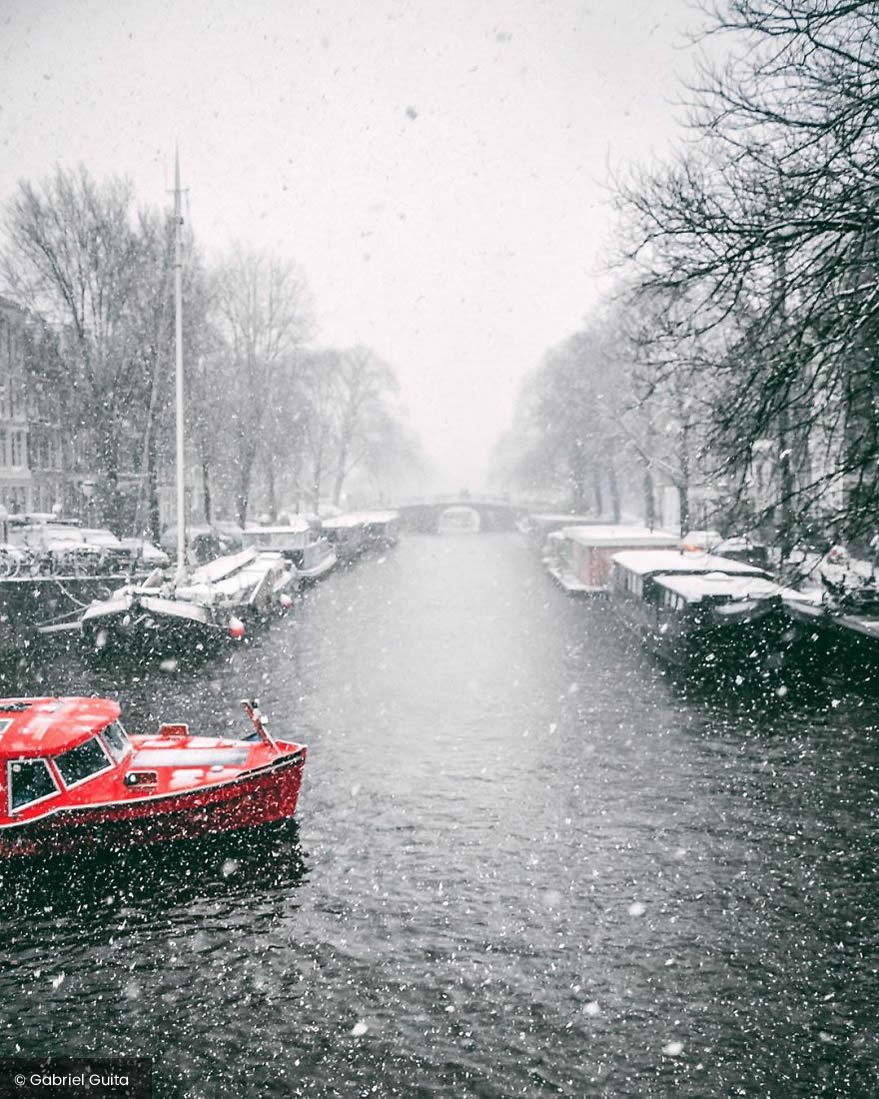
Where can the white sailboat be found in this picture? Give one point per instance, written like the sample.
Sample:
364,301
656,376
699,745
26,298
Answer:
189,609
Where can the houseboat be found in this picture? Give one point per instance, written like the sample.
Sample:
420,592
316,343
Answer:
75,780
702,612
579,558
301,541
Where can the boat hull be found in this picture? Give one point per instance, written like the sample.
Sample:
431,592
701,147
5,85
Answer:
571,585
832,646
311,573
149,626
749,645
255,798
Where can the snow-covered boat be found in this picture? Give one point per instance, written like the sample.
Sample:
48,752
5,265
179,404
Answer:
347,535
701,611
213,602
836,626
301,541
381,528
75,780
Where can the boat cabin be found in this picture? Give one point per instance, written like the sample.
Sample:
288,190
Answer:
292,536
380,528
641,576
53,747
698,607
301,541
347,535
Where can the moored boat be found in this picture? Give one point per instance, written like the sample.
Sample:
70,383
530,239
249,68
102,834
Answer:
836,630
708,614
346,533
579,559
381,529
301,541
213,602
74,779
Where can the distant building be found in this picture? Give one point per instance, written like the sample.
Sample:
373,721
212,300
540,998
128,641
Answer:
16,482
33,465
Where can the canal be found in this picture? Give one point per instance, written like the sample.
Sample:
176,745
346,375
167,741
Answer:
525,864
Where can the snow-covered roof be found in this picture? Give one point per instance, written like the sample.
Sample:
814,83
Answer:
713,584
343,522
619,534
47,726
297,525
648,562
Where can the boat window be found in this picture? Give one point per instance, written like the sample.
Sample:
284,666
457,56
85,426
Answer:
82,762
116,740
30,780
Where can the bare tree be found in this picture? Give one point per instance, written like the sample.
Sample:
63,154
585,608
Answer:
320,394
568,423
75,252
262,314
364,384
769,227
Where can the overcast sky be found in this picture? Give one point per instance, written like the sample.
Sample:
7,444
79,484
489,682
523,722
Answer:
437,168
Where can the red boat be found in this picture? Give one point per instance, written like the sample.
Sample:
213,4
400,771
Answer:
73,779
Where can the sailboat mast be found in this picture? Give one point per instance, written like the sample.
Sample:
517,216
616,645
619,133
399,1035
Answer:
178,360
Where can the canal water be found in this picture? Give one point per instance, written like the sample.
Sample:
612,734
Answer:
525,864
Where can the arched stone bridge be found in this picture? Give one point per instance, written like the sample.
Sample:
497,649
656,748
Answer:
428,514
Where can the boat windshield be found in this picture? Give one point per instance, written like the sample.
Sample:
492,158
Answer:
116,740
30,780
82,762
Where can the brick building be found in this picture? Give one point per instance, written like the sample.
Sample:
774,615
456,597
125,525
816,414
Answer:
32,460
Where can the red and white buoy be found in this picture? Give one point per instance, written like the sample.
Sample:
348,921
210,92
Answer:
236,628
285,601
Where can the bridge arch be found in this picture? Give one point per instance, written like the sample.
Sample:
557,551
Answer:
422,514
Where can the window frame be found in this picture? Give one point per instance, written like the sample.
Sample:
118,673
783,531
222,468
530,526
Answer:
129,747
109,765
10,763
